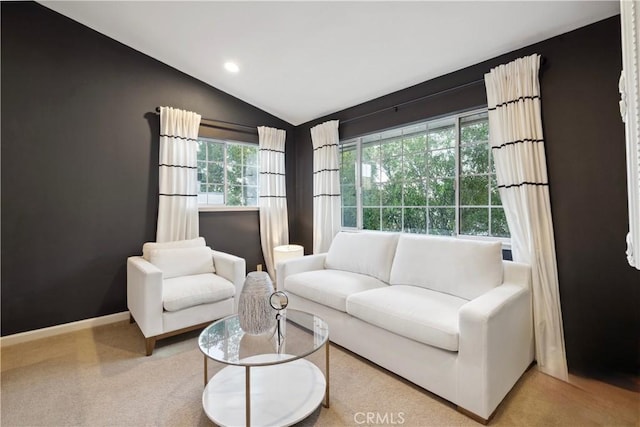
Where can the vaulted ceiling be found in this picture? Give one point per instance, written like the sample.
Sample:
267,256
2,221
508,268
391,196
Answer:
301,60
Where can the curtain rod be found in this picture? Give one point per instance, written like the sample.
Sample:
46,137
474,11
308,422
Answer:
411,101
543,60
221,124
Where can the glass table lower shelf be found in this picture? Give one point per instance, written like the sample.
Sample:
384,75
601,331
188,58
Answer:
268,382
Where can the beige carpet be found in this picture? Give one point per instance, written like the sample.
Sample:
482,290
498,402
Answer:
100,377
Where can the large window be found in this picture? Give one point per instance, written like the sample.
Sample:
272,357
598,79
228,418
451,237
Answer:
435,177
227,173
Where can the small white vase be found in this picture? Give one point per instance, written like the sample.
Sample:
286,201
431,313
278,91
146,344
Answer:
254,311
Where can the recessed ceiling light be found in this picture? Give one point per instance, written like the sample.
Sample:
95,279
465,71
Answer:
231,67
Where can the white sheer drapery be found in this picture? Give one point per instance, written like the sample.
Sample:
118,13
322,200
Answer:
178,178
515,134
274,223
326,185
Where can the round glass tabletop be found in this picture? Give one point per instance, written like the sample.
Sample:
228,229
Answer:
300,335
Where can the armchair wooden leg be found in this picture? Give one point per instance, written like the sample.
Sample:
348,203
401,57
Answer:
151,343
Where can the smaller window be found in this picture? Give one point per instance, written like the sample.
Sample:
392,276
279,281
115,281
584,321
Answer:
227,173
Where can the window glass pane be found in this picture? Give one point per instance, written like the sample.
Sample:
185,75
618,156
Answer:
474,159
391,148
371,153
391,194
474,221
391,168
250,195
234,153
371,218
234,174
415,220
251,175
442,163
250,155
371,195
348,165
414,145
442,137
202,172
215,194
391,219
474,128
442,192
234,195
442,221
349,216
415,167
474,190
202,193
215,151
348,194
414,194
499,227
215,173
495,193
202,151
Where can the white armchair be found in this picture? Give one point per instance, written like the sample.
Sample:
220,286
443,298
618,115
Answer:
176,287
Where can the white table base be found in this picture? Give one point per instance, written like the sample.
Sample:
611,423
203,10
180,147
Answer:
280,395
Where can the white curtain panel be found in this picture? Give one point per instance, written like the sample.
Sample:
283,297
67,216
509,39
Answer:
515,127
326,185
274,223
178,177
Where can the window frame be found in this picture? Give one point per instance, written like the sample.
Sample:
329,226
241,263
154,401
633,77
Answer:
357,143
224,207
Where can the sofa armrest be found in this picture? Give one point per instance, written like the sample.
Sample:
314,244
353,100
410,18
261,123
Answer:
298,265
144,295
232,268
496,342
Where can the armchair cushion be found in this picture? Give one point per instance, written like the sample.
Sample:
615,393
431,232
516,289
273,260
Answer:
178,262
187,291
190,243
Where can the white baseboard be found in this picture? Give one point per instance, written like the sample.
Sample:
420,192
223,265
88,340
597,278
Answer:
62,329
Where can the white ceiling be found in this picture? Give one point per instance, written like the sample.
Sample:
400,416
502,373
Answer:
304,60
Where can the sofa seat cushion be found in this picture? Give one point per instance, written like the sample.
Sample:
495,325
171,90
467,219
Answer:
330,287
423,315
187,291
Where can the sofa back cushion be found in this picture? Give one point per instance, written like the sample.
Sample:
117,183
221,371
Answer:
177,262
190,243
464,268
369,253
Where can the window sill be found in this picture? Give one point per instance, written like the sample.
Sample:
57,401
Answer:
506,242
227,208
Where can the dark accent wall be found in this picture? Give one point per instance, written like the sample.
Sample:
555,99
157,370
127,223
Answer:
600,292
79,166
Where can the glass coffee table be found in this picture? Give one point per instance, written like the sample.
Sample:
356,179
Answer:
268,382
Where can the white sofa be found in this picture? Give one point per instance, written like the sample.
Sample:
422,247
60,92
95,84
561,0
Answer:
179,286
447,314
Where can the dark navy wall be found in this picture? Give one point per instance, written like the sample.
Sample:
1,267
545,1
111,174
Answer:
79,166
600,293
